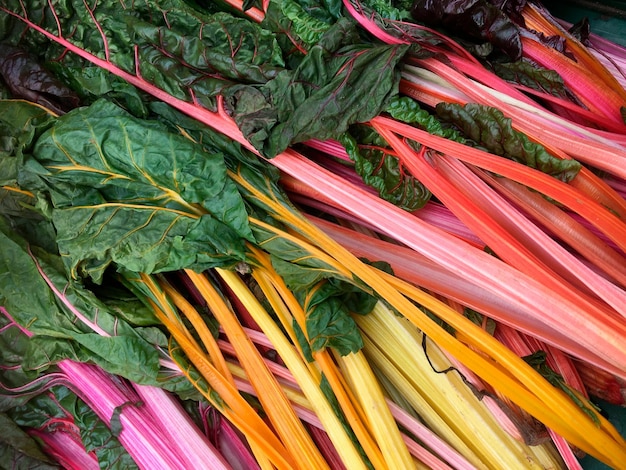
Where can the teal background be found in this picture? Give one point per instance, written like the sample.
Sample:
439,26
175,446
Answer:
617,416
607,19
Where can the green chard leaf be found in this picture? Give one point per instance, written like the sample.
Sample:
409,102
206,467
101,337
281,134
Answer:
184,51
70,322
489,128
303,22
200,61
341,81
328,320
43,405
21,123
379,168
533,76
405,109
130,192
92,83
329,301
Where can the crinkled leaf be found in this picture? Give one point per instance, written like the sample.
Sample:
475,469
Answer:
204,44
488,127
328,325
98,438
475,19
21,123
18,210
14,345
388,9
303,22
305,272
238,158
328,306
59,334
326,10
383,171
148,239
125,305
26,78
531,75
42,404
340,82
405,109
185,51
91,83
353,298
341,79
129,191
60,403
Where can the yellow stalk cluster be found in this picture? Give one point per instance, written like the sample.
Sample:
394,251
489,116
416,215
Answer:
482,354
393,362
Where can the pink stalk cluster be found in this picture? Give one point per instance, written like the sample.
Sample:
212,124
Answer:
155,430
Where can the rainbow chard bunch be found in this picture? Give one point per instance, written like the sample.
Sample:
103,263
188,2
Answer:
364,234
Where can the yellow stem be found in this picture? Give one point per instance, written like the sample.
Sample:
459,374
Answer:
300,446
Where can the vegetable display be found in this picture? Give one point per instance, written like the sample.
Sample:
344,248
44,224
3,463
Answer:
296,234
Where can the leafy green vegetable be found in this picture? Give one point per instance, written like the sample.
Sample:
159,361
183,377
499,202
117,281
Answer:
382,170
186,52
70,321
340,81
531,75
328,306
489,128
190,55
397,10
21,123
97,437
405,109
306,22
128,191
42,405
91,83
328,299
61,404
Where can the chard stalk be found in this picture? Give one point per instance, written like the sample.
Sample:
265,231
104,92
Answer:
357,200
66,449
275,404
294,362
223,394
603,219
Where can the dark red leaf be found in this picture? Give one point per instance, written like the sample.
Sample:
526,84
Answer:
26,78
